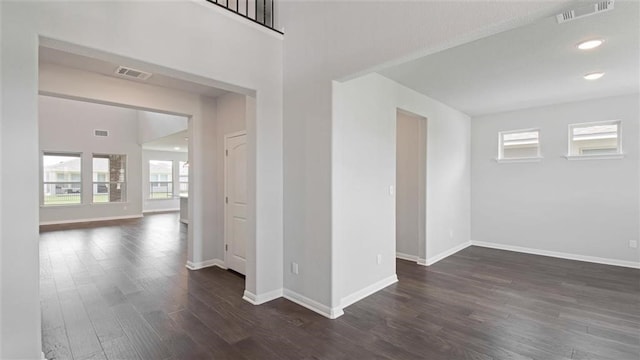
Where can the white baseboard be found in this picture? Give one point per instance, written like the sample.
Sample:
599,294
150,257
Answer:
561,255
160,210
204,264
74,221
262,298
184,221
434,259
408,257
331,313
422,261
363,293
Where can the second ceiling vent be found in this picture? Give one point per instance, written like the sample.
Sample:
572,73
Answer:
132,73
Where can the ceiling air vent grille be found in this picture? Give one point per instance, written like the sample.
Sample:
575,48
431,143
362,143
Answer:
585,11
132,73
102,133
565,16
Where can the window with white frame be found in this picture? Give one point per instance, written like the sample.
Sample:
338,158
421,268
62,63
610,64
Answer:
109,178
519,144
160,179
183,174
595,139
61,179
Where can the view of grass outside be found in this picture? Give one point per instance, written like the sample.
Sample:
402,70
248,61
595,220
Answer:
62,199
161,195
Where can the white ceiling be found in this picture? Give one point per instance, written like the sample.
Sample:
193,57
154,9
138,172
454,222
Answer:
169,143
534,65
54,56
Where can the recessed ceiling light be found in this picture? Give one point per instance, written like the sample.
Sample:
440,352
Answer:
594,76
176,148
590,44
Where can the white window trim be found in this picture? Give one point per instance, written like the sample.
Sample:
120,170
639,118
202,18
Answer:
619,155
519,160
501,160
595,157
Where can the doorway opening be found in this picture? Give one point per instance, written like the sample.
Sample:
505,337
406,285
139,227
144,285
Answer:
411,184
174,167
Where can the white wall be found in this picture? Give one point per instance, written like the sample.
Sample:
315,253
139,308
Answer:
323,42
67,126
364,166
1,189
410,183
156,37
586,208
154,205
154,125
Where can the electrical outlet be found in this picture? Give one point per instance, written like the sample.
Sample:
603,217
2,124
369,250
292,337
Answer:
633,243
391,190
379,259
294,268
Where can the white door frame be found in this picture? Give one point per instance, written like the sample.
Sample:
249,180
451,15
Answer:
224,226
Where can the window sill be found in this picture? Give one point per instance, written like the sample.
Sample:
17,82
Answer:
54,206
110,203
595,157
80,205
519,160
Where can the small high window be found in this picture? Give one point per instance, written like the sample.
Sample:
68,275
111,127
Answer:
595,140
519,145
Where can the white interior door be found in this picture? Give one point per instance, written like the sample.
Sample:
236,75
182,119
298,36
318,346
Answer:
235,231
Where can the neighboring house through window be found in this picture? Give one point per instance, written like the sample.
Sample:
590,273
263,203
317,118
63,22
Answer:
184,177
61,178
160,179
109,178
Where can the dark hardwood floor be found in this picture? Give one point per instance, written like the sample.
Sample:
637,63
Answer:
119,290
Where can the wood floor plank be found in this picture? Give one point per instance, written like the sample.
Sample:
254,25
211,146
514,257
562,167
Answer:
120,349
55,344
143,338
82,337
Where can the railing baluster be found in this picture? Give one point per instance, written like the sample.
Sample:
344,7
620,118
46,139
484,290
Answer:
255,18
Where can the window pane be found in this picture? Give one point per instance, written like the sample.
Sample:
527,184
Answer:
184,178
62,179
109,178
520,144
60,167
160,179
109,192
594,139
